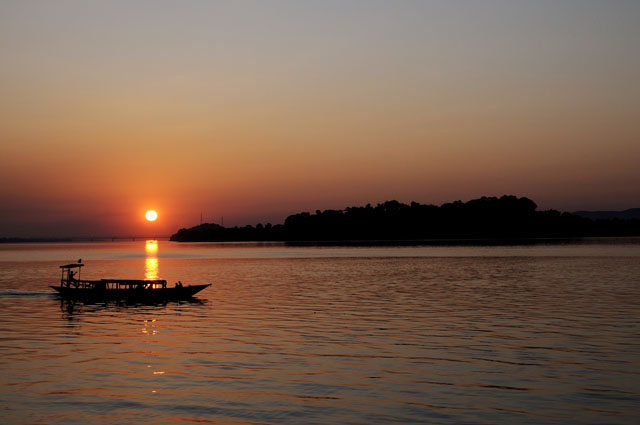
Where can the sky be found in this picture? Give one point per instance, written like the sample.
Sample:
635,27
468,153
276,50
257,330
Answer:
252,111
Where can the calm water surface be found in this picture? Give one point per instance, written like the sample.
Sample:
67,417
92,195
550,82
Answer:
542,334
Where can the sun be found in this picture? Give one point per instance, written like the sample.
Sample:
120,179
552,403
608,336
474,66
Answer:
151,215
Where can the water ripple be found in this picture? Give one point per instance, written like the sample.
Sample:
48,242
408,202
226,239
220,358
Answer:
355,340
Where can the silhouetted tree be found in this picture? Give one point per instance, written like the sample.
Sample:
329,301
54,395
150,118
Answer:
507,217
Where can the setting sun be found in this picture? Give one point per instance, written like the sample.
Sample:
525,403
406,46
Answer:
151,215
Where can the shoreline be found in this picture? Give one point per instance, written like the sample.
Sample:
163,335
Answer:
586,240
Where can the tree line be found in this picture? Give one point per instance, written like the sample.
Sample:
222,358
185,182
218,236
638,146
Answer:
505,217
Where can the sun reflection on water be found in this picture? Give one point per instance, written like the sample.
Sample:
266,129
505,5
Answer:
151,269
151,246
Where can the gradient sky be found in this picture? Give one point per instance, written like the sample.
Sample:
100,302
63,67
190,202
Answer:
257,110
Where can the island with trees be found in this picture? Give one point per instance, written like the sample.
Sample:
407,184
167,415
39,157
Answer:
505,218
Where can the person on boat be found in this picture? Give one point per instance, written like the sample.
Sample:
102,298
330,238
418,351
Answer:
179,284
72,279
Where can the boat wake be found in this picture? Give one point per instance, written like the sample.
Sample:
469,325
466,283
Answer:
20,293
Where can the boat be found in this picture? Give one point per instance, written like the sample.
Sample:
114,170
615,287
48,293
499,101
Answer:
121,289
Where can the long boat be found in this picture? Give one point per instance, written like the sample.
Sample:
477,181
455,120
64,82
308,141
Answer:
121,289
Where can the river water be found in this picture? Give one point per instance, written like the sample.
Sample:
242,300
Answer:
538,334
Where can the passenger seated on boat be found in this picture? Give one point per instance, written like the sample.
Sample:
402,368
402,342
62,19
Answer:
72,279
179,284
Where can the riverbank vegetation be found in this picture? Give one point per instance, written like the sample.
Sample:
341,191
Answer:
501,218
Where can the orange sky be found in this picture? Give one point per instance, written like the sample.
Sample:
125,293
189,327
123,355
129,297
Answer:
254,111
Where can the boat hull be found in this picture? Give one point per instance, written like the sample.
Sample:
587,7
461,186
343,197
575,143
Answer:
130,294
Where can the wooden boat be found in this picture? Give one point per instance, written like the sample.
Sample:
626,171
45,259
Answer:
121,289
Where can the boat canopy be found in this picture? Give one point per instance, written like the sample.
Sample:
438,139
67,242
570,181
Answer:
133,281
71,266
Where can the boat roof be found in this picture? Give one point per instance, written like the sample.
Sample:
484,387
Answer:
71,266
133,281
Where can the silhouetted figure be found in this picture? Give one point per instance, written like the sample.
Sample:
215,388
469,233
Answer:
72,279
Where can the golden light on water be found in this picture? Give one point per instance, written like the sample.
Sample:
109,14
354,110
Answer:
151,269
151,246
151,266
151,215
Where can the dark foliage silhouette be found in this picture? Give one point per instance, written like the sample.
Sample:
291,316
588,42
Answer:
503,218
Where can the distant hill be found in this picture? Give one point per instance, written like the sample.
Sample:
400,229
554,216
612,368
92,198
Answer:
633,213
505,218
